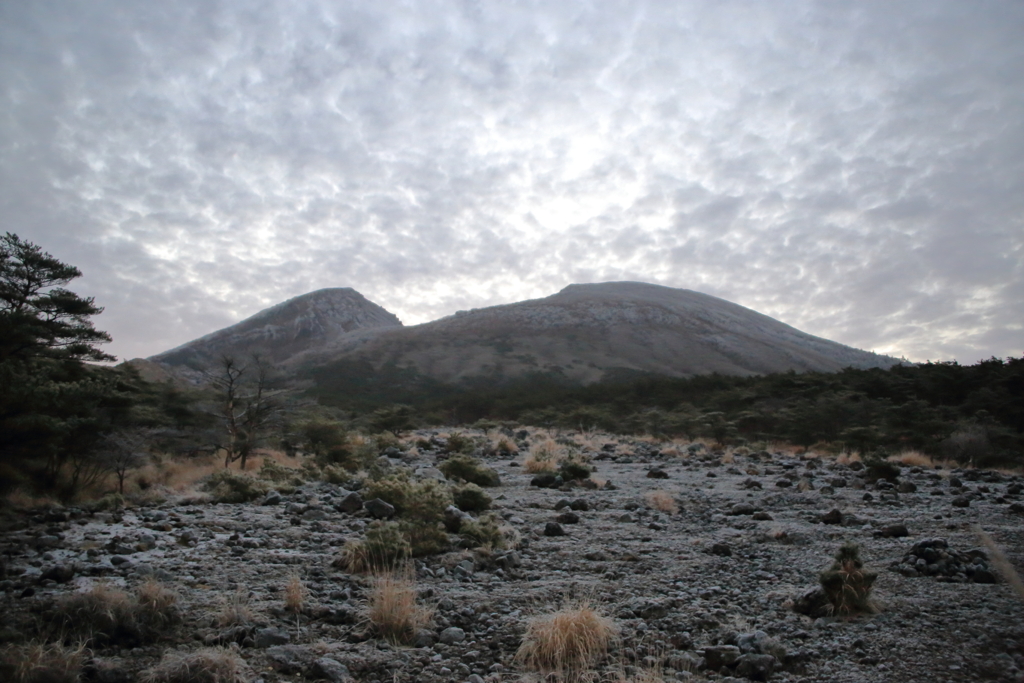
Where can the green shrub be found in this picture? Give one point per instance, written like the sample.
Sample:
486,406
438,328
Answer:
425,537
482,532
847,584
877,467
458,443
469,469
572,470
384,548
395,489
283,477
471,498
231,487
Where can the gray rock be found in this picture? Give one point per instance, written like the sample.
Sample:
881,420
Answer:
314,515
61,573
961,502
568,518
351,502
833,516
452,635
288,659
717,656
657,473
741,509
906,487
721,549
331,670
579,505
756,667
272,498
424,638
553,529
272,635
379,509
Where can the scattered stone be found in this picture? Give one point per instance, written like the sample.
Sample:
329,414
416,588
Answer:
331,670
961,502
272,635
741,509
580,505
762,517
379,509
351,502
553,529
833,516
893,531
568,518
756,667
721,549
546,480
272,498
657,473
717,656
452,635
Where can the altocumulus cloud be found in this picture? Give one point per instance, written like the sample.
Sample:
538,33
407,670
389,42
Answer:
853,169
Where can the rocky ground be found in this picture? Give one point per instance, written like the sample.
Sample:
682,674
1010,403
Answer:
707,592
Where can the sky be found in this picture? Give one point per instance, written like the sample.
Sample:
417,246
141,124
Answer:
853,169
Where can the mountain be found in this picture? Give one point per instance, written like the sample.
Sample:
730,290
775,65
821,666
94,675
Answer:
279,333
588,332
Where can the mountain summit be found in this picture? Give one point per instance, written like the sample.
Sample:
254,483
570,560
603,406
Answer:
586,332
281,332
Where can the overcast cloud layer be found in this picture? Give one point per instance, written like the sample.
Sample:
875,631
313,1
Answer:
853,169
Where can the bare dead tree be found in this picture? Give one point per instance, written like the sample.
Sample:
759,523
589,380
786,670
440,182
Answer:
246,406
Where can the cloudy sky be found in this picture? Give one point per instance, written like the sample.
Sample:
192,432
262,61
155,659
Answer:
855,169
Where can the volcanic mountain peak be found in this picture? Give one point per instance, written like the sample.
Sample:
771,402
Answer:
282,331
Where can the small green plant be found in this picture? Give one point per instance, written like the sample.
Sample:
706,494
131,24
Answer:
483,532
468,468
847,584
471,498
458,443
573,470
231,487
384,548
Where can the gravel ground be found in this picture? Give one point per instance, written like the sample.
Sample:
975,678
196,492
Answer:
690,591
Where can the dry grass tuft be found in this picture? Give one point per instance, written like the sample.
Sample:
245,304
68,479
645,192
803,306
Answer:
392,609
235,610
912,459
107,615
294,595
543,457
1002,563
211,665
846,457
661,500
41,663
568,642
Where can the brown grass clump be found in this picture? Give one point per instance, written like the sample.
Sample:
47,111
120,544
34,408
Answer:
211,665
542,457
847,584
107,615
1002,563
661,500
392,609
568,642
235,610
912,459
846,457
41,663
294,595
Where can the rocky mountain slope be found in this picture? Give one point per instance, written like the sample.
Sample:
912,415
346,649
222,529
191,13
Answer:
585,331
281,332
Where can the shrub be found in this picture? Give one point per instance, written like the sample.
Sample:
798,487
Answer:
210,665
505,447
383,549
41,663
566,643
471,498
847,584
458,442
280,475
484,532
235,610
392,609
425,537
469,469
107,615
230,487
542,457
876,467
573,470
661,500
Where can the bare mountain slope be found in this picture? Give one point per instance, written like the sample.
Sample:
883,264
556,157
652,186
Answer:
310,321
585,331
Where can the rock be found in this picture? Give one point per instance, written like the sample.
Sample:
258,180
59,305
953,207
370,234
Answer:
906,487
424,638
755,667
314,515
813,603
751,484
580,505
833,516
454,518
272,635
563,503
146,542
452,635
553,529
331,670
272,498
721,549
717,656
783,483
287,659
379,509
741,509
596,556
60,573
430,473
762,517
657,473
961,502
351,502
1017,508
893,531
546,480
983,576
568,518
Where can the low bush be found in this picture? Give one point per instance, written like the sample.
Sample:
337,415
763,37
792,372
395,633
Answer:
458,442
210,665
566,643
471,498
469,469
383,548
661,500
483,532
231,487
542,457
877,467
392,609
574,470
847,584
235,611
41,663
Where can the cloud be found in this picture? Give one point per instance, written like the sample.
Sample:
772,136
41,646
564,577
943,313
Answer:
853,170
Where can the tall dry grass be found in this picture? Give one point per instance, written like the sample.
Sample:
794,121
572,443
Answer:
37,662
567,643
543,457
209,665
392,609
661,500
1002,563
